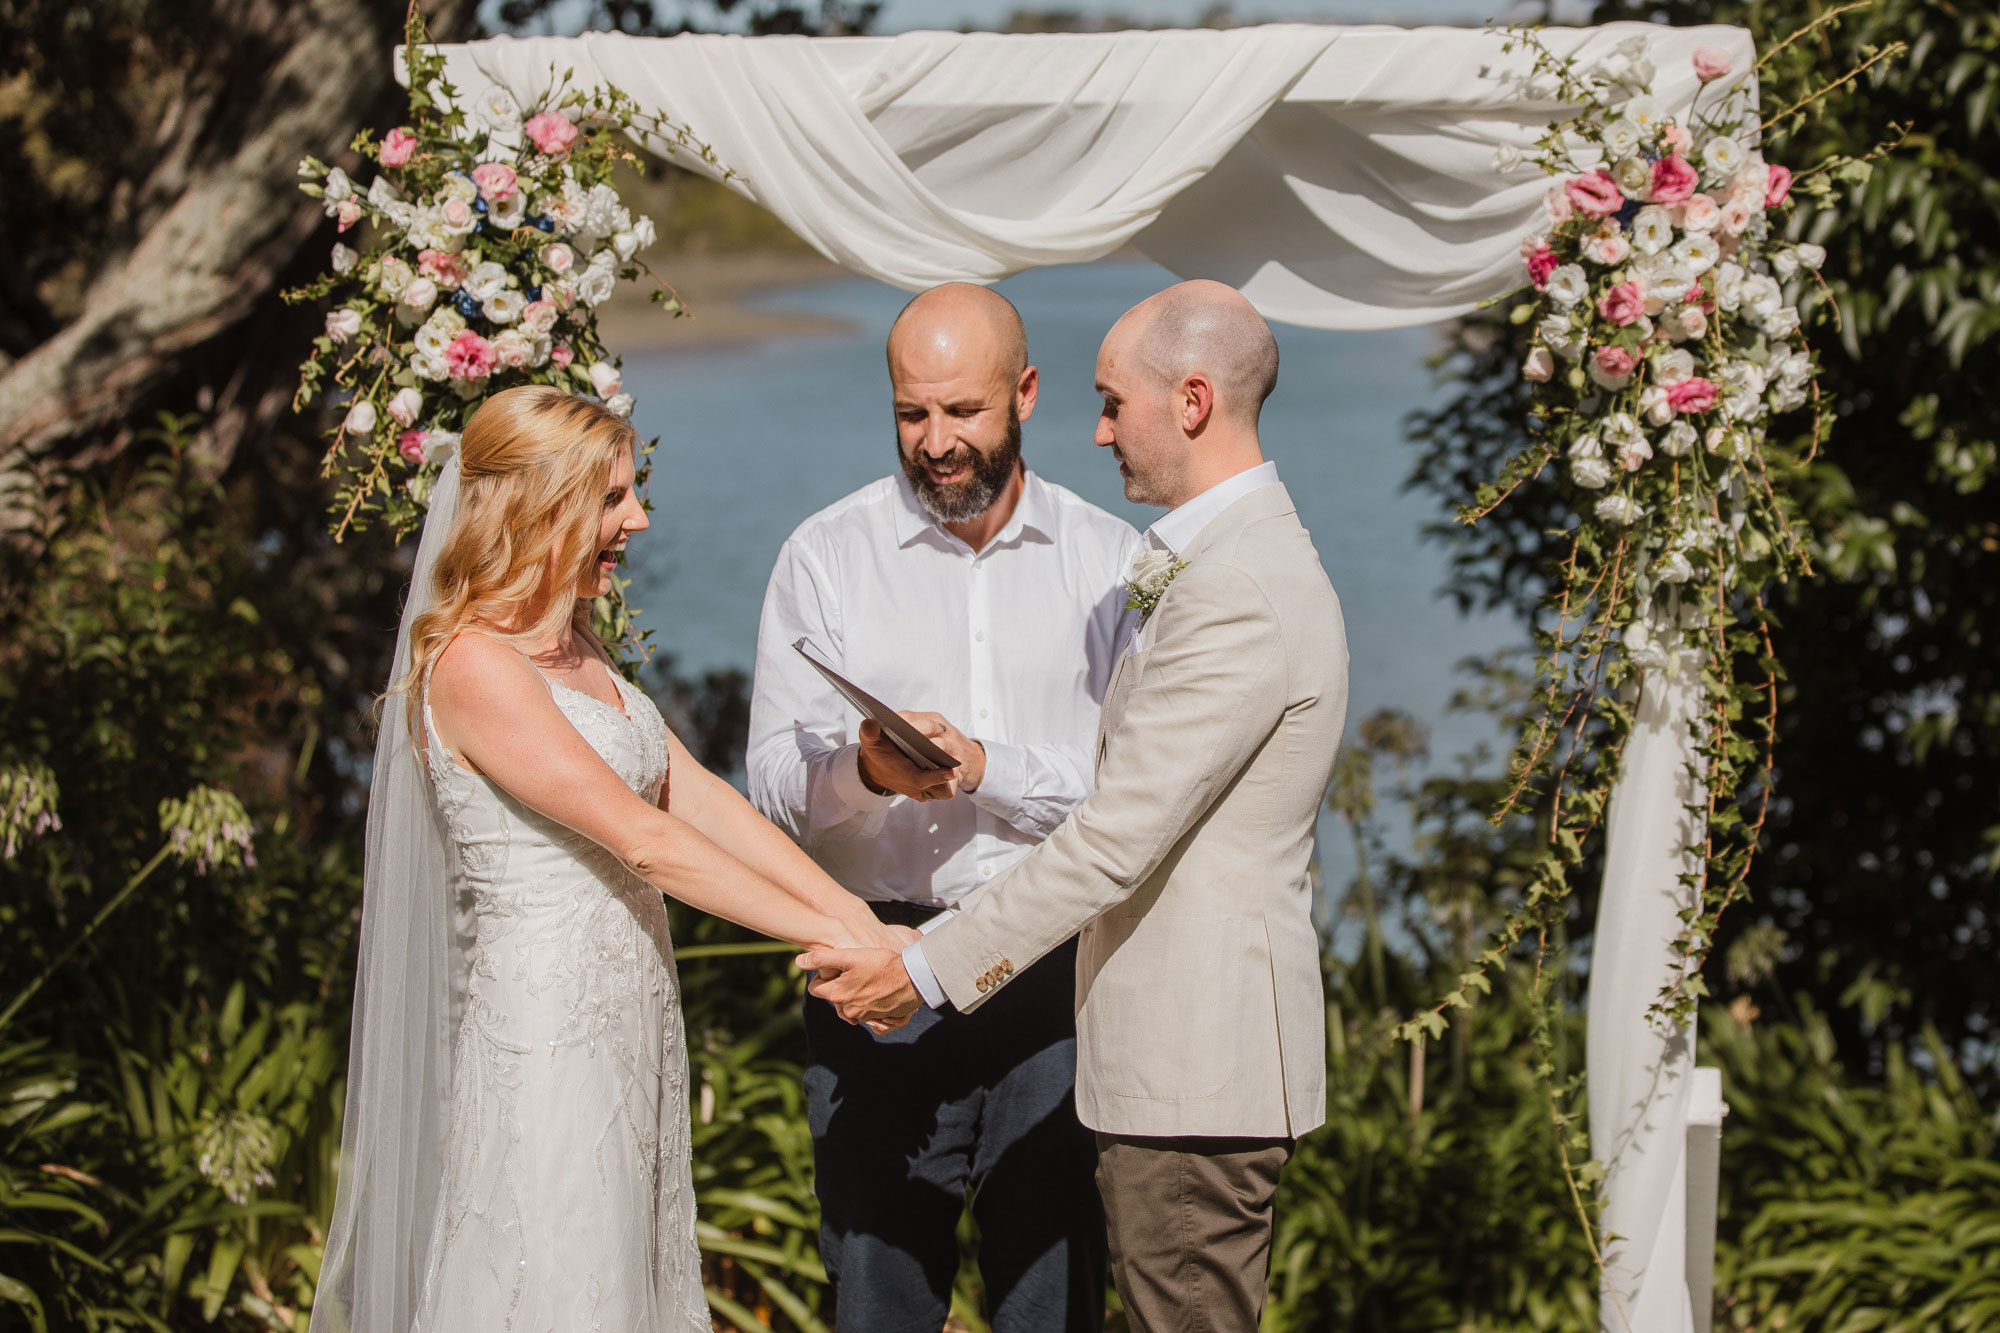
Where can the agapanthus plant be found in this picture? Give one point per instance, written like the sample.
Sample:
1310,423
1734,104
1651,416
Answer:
473,261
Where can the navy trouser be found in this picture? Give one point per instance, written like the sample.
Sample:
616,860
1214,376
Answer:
902,1123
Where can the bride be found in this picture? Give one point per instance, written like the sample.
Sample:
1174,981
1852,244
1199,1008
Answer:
515,1153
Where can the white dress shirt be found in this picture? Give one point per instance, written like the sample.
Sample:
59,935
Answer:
1171,532
1014,644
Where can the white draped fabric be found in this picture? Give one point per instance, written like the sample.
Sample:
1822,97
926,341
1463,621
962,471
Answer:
1341,177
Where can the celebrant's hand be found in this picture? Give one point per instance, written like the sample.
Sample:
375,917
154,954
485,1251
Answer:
863,985
971,755
886,769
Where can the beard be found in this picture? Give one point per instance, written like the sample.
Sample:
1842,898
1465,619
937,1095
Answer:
963,501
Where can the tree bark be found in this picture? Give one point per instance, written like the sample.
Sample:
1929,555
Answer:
297,77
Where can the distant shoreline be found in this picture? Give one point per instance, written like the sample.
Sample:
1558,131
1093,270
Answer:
714,288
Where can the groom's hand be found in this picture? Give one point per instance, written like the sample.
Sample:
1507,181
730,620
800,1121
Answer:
863,985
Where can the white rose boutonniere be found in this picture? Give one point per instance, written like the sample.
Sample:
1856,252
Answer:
1151,572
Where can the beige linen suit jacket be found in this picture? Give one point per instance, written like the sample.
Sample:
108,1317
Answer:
1198,999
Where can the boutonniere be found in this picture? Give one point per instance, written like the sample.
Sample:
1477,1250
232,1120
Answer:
1151,572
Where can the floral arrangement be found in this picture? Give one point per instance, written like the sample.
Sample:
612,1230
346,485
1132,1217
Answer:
479,256
1151,572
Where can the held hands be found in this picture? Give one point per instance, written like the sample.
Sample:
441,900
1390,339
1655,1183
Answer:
865,935
886,768
865,985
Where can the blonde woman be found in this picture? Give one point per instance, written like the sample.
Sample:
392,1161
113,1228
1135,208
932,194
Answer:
515,1154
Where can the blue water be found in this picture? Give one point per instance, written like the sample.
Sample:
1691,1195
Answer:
754,438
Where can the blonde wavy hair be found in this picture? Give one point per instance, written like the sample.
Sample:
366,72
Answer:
532,465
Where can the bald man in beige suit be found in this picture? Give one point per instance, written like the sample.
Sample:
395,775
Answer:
1200,1019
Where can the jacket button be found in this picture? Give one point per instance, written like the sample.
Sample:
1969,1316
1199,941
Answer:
1006,968
984,985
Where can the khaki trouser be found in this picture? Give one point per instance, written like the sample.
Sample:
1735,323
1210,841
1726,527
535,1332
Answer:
1190,1228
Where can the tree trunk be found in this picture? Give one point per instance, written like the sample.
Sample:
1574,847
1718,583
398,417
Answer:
169,325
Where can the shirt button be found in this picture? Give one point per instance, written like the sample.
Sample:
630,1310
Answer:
986,872
982,712
981,636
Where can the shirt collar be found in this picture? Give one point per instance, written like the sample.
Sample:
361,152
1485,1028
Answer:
1176,530
1036,513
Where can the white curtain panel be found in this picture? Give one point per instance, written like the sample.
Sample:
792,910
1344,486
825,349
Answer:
1342,178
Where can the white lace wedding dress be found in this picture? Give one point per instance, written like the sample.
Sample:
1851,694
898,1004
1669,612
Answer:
567,1202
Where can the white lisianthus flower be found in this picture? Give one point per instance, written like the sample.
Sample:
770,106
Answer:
342,324
343,258
1728,285
1679,440
539,347
486,281
513,348
360,418
1693,321
620,403
596,285
1674,568
1653,406
394,277
1619,509
429,366
1741,373
1634,177
509,213
406,406
337,187
440,445
605,378
1560,337
1621,138
1785,397
1647,113
1722,158
1667,281
538,317
496,111
1791,369
1592,474
458,185
382,193
1781,323
1761,296
1673,366
1698,251
1652,229
448,323
1812,256
1540,365
419,295
1735,217
1607,248
504,306
1568,285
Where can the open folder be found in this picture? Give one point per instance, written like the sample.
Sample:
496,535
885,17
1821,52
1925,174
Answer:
919,748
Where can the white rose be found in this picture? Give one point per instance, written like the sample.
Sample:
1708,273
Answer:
360,418
1791,369
1722,158
1675,568
496,111
1590,473
458,185
513,348
1557,334
1621,138
393,278
1619,509
509,213
382,194
420,295
406,407
344,259
1784,263
338,188
1812,256
620,404
1568,285
456,218
504,306
625,244
1698,251
1679,439
1671,367
1785,397
605,378
429,366
486,281
1151,572
1540,365
440,445
1728,285
1781,323
539,347
642,228
1653,406
1693,322
342,324
1634,177
596,285
1761,296
1741,374
1652,229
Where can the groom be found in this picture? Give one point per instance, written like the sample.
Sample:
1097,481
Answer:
1200,1020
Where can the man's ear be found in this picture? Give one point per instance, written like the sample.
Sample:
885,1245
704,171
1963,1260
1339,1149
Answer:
1025,390
1196,403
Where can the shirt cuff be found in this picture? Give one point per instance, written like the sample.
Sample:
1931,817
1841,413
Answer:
845,775
1004,784
921,975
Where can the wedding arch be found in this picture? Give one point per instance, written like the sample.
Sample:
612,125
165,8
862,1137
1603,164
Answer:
1344,178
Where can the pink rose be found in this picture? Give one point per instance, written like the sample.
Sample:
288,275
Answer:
1735,216
1691,395
458,215
1699,213
1607,249
1677,138
1779,186
496,181
559,257
1622,304
1710,64
349,214
539,316
447,271
398,145
551,132
1556,201
1615,362
470,357
1673,179
410,444
1595,194
1540,265
561,355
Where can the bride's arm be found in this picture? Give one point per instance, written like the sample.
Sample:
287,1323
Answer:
720,812
495,712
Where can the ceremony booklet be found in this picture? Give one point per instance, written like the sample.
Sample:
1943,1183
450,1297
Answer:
920,749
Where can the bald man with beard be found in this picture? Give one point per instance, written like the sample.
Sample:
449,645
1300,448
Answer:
991,602
1200,1018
